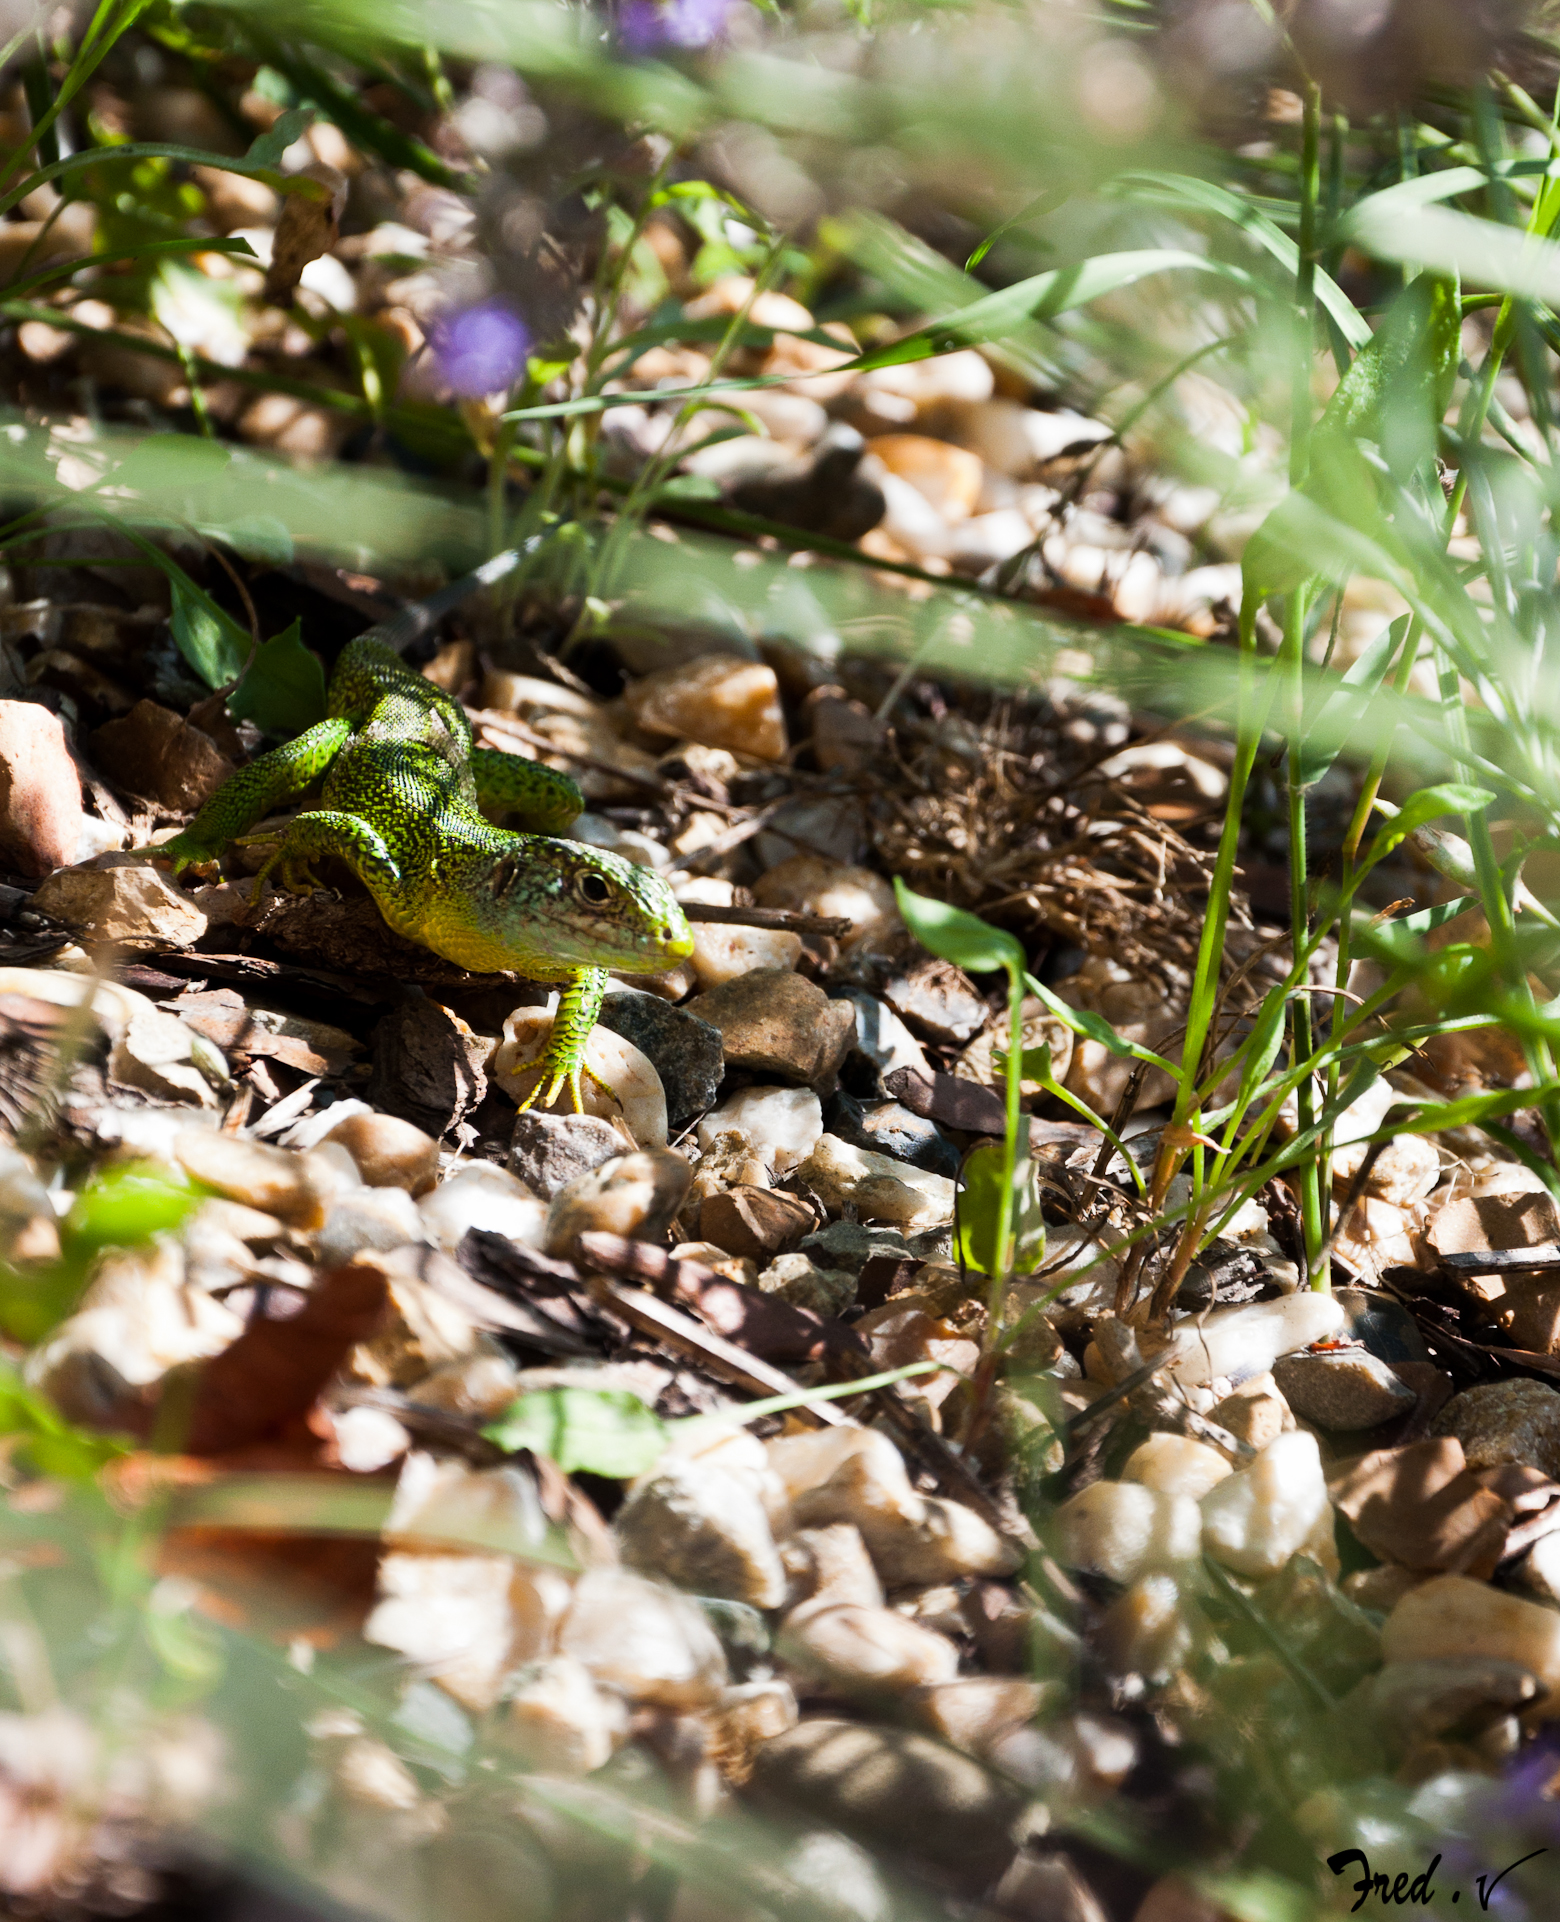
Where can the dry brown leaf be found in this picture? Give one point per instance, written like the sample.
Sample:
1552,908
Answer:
309,226
273,1373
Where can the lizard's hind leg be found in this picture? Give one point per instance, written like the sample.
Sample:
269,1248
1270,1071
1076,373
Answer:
271,779
544,800
323,833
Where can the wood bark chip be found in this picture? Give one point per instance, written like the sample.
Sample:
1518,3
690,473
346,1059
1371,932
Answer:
685,1336
977,1109
762,1325
565,1320
490,1308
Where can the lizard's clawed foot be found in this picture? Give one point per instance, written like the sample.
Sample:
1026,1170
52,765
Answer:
289,873
557,1074
184,851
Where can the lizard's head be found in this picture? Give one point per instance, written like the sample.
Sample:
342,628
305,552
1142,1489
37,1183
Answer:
585,907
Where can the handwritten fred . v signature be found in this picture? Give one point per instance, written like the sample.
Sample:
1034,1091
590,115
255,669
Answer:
1419,1892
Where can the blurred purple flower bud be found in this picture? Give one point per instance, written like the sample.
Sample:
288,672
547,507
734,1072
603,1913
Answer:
649,26
479,350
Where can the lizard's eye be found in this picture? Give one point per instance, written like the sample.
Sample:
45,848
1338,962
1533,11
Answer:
593,889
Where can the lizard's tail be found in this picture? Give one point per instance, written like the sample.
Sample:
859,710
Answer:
414,621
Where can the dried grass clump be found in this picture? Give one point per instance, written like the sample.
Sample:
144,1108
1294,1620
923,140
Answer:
1000,818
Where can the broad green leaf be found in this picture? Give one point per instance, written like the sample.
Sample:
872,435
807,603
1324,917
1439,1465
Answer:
976,1207
1422,921
1267,1037
1342,710
1046,295
1446,797
1392,397
1400,386
187,1645
603,1431
1300,540
212,642
267,148
1206,196
53,1444
689,487
954,935
129,1204
1474,250
1093,1028
284,691
120,1208
1407,196
258,537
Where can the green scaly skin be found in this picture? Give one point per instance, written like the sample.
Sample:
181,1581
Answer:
402,788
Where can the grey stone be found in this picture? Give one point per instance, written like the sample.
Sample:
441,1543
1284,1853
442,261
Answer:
1386,1328
1419,1701
820,492
799,1279
831,824
1348,1388
882,1041
838,1878
1047,1888
895,1789
939,1002
428,1067
1505,1421
852,1244
889,1128
547,1151
705,1530
1538,1571
686,1052
633,1195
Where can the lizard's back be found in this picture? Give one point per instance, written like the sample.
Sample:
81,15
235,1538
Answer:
386,701
407,764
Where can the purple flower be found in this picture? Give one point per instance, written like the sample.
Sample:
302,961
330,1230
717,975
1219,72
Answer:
479,350
648,26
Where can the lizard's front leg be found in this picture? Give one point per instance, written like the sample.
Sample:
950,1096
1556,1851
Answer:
563,1060
346,837
270,780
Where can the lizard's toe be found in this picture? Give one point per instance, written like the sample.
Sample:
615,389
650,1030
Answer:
545,1093
180,852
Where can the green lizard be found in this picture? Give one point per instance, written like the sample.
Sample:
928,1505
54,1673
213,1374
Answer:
402,786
